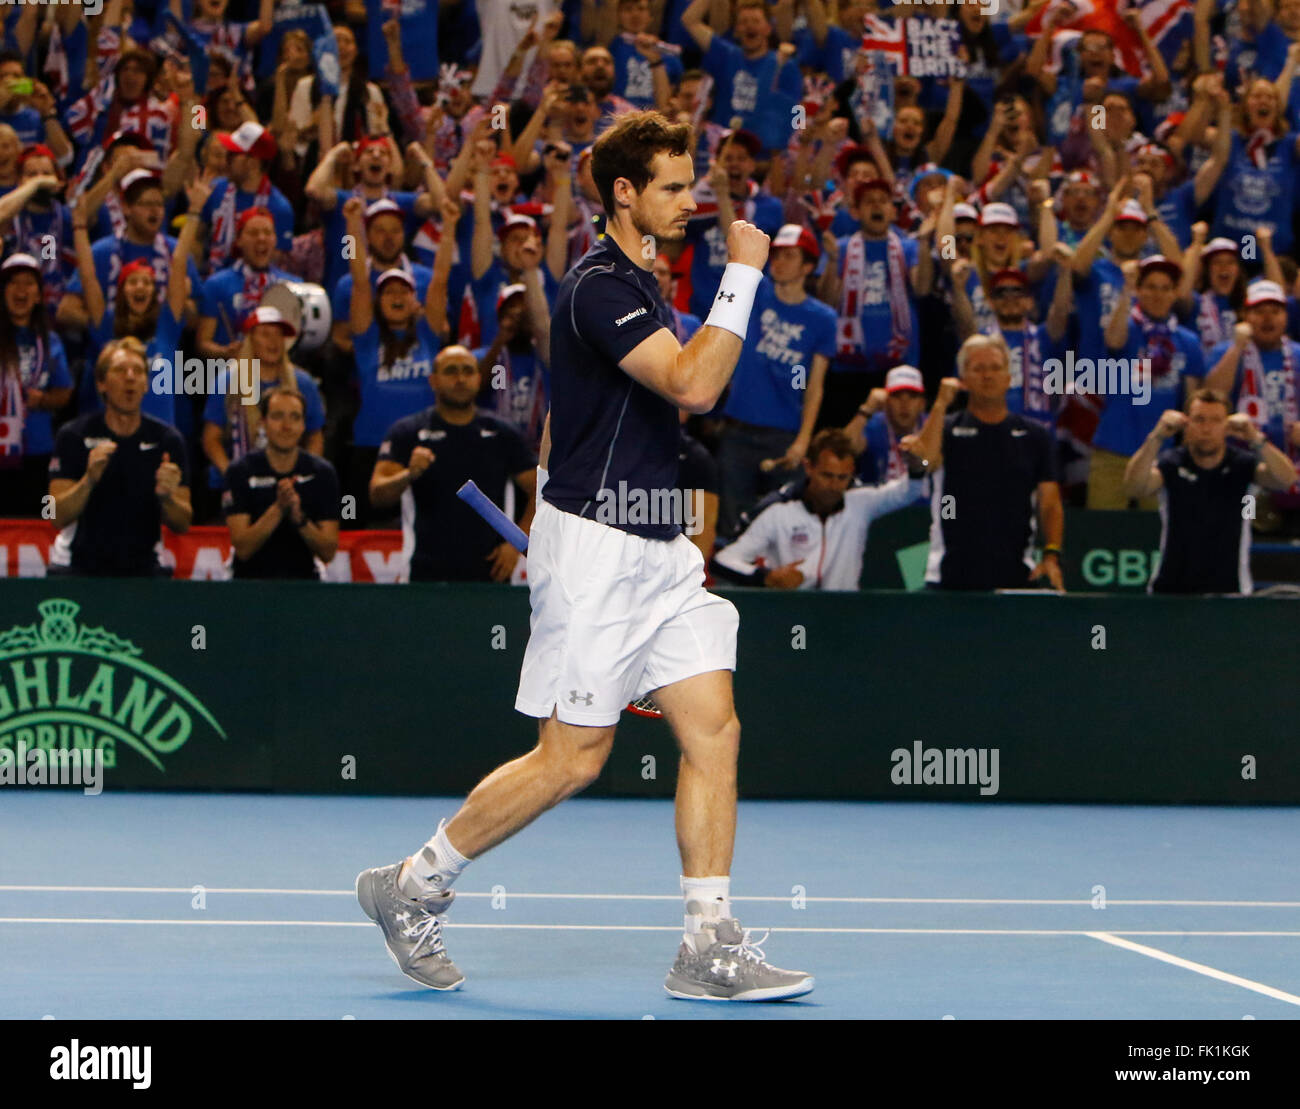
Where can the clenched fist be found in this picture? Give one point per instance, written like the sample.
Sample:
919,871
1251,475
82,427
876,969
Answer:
1242,333
949,387
98,459
1171,423
747,245
421,459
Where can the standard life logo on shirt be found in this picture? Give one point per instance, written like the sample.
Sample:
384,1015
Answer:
65,686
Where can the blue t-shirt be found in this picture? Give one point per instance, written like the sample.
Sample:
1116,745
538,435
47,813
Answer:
159,400
1125,423
389,392
225,300
875,313
753,90
419,24
280,208
1177,209
1271,391
27,122
1247,197
764,390
709,259
1095,297
633,77
42,365
1024,396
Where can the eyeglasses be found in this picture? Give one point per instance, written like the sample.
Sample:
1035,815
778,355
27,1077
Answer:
1009,291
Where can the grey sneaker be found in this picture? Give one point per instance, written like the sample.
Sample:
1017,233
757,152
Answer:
411,929
732,968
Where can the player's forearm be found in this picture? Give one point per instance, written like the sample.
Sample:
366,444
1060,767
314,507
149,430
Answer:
704,367
1051,519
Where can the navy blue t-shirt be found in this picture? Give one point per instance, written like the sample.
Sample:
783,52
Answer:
1205,543
117,532
606,427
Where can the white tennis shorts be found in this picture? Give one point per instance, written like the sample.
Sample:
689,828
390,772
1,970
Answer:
615,616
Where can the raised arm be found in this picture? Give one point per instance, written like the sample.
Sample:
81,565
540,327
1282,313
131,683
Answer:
361,312
1116,333
178,277
1207,177
92,292
696,27
694,376
1058,312
1085,253
435,302
321,185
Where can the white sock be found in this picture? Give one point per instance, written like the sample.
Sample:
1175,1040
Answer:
708,900
433,868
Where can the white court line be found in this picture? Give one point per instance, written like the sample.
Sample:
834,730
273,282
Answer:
673,897
455,925
1199,968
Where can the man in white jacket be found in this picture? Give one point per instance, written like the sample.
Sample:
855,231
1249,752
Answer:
814,538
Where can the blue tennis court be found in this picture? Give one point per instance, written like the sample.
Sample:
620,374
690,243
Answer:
911,910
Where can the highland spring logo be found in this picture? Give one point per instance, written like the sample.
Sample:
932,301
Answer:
71,695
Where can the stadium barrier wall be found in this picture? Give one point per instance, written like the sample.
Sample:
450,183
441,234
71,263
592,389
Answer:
357,689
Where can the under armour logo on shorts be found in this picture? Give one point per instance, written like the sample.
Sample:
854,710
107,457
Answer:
574,698
730,296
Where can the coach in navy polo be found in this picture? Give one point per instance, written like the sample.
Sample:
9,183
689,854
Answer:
117,476
992,471
427,456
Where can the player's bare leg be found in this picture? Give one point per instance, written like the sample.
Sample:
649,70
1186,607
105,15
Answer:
566,760
407,899
702,714
716,961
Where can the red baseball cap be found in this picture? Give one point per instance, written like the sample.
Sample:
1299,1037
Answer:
507,292
249,138
1158,263
514,220
794,234
264,313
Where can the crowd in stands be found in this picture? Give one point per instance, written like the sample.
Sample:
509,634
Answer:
290,266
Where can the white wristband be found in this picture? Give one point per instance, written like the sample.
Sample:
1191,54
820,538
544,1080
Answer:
735,298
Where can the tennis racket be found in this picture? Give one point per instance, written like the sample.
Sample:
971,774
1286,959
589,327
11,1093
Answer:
505,527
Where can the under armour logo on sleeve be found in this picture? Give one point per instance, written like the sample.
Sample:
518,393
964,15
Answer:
574,698
730,297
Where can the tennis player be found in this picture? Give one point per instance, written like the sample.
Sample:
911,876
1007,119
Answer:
619,607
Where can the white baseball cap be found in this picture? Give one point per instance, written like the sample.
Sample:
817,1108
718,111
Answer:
999,214
1132,212
1264,292
904,378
